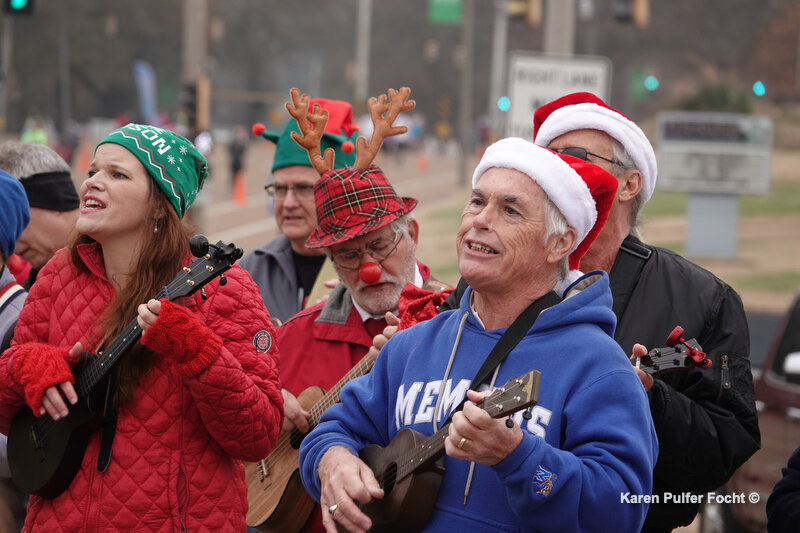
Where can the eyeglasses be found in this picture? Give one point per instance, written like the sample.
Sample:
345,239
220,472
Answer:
280,191
379,249
583,154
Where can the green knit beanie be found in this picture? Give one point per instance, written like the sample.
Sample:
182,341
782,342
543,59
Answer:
174,163
340,134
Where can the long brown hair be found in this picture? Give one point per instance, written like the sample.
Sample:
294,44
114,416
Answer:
161,257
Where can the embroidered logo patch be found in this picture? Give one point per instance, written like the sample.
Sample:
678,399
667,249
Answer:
262,341
544,480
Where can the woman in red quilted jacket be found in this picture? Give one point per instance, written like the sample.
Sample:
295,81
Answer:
195,396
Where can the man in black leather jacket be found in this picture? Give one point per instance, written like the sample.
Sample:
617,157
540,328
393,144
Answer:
705,420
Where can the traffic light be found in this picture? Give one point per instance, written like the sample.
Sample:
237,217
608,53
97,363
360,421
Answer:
203,106
196,103
533,13
635,11
18,7
504,103
530,9
640,13
189,104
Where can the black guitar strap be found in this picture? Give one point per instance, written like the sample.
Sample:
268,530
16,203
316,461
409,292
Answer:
625,273
515,332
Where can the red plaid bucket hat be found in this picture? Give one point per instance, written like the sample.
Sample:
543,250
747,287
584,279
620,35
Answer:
357,199
352,202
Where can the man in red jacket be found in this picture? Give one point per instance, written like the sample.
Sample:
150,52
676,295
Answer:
367,231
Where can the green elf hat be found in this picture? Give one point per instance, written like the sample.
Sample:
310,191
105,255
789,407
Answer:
340,134
174,163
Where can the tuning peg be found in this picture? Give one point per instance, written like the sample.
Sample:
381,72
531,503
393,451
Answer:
699,356
198,245
675,337
223,280
509,422
527,415
203,293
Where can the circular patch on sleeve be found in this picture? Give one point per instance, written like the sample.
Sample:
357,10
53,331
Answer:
262,341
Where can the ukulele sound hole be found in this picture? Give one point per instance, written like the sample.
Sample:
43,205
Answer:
296,439
389,478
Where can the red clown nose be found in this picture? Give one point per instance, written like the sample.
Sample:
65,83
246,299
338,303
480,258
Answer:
370,273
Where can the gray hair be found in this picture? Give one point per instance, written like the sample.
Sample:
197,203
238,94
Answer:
23,160
555,224
626,163
400,225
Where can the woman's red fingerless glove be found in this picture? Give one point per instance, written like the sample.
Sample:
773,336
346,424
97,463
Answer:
36,367
179,334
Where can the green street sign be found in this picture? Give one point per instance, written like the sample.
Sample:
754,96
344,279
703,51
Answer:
444,12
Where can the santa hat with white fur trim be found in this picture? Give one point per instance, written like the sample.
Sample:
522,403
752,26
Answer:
580,111
603,187
562,184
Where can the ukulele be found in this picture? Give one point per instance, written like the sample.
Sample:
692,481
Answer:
678,354
408,469
277,500
44,455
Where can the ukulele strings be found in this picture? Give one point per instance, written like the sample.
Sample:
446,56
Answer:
284,446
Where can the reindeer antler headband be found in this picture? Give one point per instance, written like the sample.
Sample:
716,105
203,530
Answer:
383,111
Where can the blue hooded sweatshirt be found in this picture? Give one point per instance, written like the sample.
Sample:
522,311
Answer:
586,459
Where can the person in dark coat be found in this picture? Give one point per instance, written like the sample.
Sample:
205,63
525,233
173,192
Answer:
783,505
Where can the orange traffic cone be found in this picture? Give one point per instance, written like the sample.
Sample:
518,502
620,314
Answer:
83,159
422,162
239,189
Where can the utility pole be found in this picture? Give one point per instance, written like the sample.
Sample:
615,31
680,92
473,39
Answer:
465,104
5,69
363,29
559,27
498,69
194,49
65,78
194,45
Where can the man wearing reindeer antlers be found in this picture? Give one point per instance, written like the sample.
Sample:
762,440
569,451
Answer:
366,229
578,440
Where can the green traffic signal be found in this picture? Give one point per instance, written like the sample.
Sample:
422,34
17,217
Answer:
651,83
18,7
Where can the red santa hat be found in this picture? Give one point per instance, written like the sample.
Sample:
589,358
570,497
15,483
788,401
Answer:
579,111
603,188
561,183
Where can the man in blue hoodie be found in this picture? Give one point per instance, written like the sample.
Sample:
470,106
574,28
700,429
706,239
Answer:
581,458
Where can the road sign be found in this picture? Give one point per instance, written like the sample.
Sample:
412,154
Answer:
720,153
536,79
446,12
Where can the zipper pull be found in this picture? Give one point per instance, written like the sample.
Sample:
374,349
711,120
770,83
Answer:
726,377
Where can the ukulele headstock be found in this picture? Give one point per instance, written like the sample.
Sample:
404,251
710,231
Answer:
212,261
517,394
679,353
